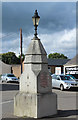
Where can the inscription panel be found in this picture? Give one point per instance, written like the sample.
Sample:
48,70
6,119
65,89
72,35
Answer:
44,82
44,79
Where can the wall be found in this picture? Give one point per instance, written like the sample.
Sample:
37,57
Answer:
53,68
4,68
16,70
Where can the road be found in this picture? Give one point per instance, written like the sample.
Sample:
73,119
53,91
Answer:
66,103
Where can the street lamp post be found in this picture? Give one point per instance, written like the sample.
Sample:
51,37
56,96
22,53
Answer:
36,19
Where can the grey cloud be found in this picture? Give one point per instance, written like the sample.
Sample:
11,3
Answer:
54,16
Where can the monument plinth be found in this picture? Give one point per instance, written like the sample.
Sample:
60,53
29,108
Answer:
35,98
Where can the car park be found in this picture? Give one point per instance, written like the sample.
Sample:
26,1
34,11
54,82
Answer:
63,82
9,77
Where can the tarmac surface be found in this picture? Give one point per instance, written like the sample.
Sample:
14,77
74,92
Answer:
67,102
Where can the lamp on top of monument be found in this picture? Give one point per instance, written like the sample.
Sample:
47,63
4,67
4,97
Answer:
36,19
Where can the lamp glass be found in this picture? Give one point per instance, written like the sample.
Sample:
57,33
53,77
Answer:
35,21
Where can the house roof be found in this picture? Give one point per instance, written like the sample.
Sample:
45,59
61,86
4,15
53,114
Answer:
73,61
57,61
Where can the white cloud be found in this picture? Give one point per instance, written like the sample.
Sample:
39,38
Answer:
61,42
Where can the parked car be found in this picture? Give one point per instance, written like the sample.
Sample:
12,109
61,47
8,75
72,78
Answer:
63,82
8,77
72,77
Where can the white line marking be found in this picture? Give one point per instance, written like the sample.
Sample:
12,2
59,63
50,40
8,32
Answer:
7,102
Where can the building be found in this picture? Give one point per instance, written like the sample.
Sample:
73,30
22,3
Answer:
5,68
16,70
71,67
56,65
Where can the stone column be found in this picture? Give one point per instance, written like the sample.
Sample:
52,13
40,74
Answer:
35,98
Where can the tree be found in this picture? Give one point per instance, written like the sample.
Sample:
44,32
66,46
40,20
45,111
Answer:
10,58
57,56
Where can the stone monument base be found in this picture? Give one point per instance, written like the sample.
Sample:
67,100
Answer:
35,105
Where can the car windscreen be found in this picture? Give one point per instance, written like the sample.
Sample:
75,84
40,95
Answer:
65,77
72,77
10,75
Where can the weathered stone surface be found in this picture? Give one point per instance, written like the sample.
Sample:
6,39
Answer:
36,79
35,98
36,48
35,105
25,105
46,105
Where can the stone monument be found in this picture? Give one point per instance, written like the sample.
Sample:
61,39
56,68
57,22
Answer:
35,98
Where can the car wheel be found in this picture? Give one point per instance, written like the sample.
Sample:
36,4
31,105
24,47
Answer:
6,81
61,87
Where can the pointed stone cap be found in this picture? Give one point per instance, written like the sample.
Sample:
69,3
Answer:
35,53
36,48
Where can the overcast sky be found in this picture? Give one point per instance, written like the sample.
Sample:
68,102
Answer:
57,26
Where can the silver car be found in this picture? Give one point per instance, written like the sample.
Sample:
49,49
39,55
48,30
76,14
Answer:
8,77
63,82
73,78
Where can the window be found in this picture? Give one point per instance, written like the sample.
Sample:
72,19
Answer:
58,78
65,77
10,75
54,77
